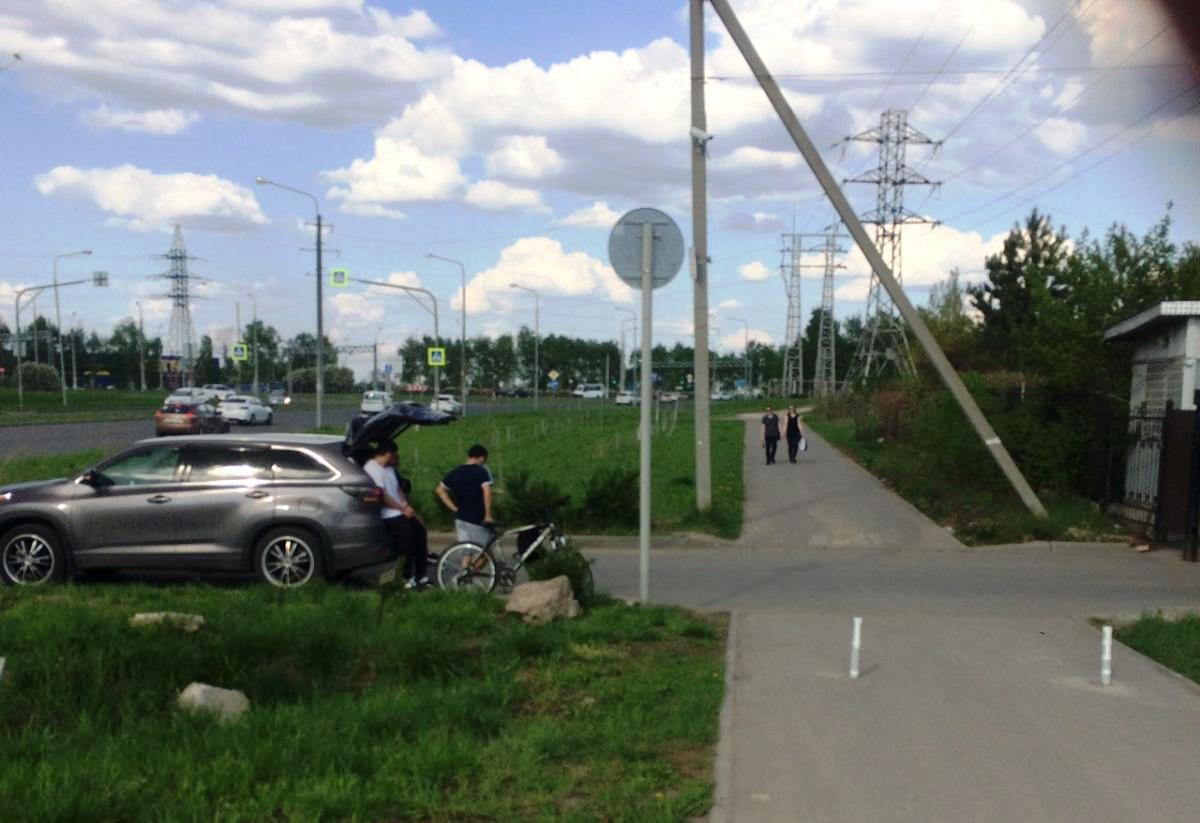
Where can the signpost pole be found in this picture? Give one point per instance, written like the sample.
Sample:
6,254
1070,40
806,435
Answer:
647,393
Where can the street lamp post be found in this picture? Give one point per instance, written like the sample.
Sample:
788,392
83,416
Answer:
74,370
141,346
537,336
62,369
412,290
254,338
632,318
463,357
262,181
97,279
375,360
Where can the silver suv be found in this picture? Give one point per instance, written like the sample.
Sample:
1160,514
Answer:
289,507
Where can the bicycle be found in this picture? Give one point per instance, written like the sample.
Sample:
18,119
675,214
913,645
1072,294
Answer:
468,565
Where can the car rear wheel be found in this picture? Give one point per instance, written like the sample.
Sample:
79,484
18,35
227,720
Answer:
288,557
31,556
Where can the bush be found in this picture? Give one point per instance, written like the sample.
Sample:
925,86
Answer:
569,561
526,498
39,377
338,380
610,498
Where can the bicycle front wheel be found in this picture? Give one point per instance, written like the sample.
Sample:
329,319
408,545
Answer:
467,566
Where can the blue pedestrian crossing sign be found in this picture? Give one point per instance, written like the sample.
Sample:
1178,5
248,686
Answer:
241,352
339,278
435,356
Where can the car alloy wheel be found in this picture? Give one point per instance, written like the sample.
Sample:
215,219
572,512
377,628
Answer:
287,561
29,558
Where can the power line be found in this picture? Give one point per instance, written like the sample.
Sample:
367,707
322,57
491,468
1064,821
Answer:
918,74
950,56
1091,166
1071,160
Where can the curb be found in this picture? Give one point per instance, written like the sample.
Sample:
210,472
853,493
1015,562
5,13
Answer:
723,765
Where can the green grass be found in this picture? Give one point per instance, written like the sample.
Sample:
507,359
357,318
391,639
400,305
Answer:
447,710
566,449
1174,643
979,514
46,466
83,405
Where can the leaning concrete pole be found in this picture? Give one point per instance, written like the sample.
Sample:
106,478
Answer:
700,245
850,219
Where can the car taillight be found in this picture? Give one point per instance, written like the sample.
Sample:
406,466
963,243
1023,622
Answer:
371,495
191,415
158,415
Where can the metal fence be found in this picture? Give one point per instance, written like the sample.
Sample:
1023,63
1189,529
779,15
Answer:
1143,458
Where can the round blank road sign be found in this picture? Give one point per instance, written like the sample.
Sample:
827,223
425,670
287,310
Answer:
625,247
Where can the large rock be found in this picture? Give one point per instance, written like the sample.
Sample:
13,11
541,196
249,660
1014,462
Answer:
187,622
544,600
227,704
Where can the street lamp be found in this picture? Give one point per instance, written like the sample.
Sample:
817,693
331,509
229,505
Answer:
537,310
463,270
262,181
412,292
631,319
375,360
62,370
99,278
254,338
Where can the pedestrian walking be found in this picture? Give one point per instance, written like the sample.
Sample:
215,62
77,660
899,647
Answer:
467,491
770,434
405,528
794,433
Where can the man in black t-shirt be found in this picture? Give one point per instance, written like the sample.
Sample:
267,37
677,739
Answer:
770,434
467,491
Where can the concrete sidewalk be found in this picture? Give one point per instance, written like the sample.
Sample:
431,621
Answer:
825,500
979,698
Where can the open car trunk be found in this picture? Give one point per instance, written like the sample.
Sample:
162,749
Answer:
364,433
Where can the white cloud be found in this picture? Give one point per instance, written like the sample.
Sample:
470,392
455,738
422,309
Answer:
752,157
495,196
526,157
754,270
929,255
737,339
144,201
541,263
399,171
152,121
1062,136
730,304
356,309
369,210
596,216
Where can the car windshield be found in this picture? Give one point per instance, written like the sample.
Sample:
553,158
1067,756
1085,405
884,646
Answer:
176,408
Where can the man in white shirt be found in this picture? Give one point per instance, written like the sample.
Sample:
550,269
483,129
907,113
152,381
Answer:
399,517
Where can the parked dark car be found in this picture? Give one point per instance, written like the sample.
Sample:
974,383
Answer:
188,418
289,507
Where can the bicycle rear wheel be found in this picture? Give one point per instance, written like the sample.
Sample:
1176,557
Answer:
467,566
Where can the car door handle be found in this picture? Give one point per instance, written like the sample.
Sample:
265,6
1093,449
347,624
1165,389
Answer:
158,498
258,494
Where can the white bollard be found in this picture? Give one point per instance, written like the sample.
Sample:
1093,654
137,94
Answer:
1106,657
855,647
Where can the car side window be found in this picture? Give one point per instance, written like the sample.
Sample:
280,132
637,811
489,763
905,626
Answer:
229,464
149,467
287,464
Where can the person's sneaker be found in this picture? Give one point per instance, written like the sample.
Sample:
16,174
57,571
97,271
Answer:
424,583
411,583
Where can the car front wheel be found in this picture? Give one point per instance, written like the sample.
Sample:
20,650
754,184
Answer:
31,556
287,557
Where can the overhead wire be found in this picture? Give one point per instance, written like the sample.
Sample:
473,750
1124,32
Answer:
951,55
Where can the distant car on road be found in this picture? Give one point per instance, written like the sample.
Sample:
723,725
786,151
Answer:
448,404
188,418
670,397
186,396
217,391
591,391
245,409
375,401
288,507
627,398
278,397
720,395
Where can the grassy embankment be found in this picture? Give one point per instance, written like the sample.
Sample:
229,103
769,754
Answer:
85,405
972,498
1174,643
446,710
588,453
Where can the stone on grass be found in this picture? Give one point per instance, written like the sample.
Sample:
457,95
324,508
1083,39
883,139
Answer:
227,704
180,620
544,600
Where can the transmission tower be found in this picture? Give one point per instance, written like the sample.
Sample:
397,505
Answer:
180,343
791,265
884,344
825,379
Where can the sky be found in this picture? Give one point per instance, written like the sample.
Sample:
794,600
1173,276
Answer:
511,136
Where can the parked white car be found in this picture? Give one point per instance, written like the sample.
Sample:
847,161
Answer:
239,408
720,395
375,401
627,398
216,391
186,396
591,391
446,403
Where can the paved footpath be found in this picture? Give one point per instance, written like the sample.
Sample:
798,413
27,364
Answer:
979,697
